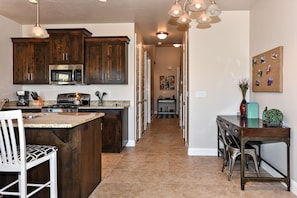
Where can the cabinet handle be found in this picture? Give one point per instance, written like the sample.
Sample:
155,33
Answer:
66,56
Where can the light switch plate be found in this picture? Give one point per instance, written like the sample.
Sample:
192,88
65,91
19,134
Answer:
200,94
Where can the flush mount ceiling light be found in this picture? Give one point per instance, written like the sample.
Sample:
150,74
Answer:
182,8
162,35
37,30
176,45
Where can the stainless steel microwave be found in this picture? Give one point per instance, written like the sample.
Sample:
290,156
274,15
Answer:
66,74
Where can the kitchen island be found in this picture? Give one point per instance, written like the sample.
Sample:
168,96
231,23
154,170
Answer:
78,138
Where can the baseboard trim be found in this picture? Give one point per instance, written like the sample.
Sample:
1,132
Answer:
131,143
202,152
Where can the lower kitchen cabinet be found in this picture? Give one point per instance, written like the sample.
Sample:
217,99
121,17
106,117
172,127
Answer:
114,129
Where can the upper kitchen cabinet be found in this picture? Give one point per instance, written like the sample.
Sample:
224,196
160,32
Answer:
106,60
67,45
30,60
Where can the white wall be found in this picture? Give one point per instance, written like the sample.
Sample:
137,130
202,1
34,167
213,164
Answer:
9,29
218,59
272,27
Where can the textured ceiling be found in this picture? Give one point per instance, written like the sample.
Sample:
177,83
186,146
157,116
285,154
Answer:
149,16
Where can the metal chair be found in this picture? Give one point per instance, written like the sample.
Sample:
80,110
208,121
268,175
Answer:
17,157
232,150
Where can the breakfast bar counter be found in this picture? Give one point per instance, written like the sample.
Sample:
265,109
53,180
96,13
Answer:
78,139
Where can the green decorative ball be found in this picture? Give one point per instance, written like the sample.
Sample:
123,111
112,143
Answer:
273,117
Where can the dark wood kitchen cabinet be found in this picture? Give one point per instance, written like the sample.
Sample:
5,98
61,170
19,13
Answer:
106,60
67,45
30,60
114,129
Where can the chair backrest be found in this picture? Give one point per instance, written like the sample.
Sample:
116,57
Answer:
222,132
12,139
228,139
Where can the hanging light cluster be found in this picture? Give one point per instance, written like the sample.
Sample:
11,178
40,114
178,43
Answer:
182,8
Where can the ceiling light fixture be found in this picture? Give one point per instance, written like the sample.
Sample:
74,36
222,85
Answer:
37,30
162,35
176,44
183,12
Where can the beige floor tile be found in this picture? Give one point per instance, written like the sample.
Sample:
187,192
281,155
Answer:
159,167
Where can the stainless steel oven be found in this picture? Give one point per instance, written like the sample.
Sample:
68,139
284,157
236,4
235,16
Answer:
66,74
68,102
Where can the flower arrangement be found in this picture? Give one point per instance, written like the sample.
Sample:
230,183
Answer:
244,86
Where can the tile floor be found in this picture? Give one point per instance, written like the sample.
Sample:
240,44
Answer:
159,167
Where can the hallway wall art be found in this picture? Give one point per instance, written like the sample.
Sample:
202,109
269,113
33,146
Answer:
267,71
167,82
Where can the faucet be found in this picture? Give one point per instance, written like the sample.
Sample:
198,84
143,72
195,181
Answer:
100,97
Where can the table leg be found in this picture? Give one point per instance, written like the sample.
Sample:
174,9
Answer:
242,163
288,164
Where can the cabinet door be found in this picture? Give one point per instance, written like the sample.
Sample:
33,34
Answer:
30,61
106,61
94,63
75,50
39,66
58,48
111,133
20,62
114,65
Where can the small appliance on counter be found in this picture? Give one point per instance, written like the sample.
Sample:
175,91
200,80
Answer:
23,98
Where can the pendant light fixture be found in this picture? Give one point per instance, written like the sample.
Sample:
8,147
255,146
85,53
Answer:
183,8
37,30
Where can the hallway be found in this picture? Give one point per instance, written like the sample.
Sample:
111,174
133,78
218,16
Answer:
159,167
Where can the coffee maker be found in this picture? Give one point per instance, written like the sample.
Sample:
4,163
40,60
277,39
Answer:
23,98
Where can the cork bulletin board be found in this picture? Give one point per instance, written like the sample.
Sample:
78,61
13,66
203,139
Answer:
267,71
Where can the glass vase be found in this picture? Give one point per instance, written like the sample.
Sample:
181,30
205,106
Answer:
242,108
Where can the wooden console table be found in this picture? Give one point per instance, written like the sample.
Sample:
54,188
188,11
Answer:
254,130
166,106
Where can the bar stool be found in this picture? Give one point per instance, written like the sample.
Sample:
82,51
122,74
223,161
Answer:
17,157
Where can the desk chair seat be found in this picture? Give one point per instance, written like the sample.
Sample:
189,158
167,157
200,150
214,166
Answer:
17,157
233,150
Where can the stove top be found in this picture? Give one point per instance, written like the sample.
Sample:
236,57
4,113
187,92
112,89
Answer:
68,102
60,108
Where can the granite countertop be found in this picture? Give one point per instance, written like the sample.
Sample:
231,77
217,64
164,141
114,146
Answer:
111,104
58,120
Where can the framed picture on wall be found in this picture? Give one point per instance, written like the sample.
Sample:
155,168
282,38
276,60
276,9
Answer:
167,82
267,71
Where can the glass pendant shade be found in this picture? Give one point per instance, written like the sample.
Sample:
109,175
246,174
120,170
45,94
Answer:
197,5
213,10
38,31
184,19
204,18
176,10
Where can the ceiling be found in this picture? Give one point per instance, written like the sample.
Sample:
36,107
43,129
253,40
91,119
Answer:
150,16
